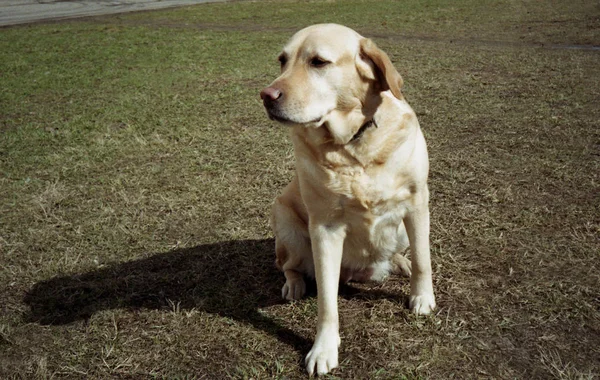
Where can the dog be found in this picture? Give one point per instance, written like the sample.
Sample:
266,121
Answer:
359,197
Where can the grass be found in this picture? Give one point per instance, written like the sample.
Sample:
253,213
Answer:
138,168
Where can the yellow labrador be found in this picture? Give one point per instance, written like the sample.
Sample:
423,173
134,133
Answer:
359,196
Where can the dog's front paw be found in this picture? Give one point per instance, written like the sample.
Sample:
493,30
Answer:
293,289
422,304
324,354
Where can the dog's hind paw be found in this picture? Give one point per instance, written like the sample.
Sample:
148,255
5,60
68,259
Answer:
401,265
293,289
422,304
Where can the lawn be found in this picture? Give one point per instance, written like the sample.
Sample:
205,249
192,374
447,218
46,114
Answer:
137,170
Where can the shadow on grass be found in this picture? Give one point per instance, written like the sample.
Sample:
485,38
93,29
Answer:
233,279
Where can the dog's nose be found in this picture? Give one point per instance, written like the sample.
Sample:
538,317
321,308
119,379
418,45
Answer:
270,94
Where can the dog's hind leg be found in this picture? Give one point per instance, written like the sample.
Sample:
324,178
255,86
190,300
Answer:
291,265
401,265
292,243
399,262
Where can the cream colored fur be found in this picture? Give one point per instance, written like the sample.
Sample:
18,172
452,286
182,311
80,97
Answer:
356,201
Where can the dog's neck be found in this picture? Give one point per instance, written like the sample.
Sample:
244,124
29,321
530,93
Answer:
346,126
356,138
363,128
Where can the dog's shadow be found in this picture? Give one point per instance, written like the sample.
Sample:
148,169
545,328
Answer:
233,279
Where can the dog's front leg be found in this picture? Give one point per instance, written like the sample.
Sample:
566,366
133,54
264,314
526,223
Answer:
327,246
422,300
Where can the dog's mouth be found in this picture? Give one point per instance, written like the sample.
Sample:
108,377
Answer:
277,117
275,114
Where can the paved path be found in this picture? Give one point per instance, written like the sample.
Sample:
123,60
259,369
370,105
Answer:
13,12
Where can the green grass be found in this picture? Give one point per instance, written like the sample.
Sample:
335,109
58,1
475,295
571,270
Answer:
137,169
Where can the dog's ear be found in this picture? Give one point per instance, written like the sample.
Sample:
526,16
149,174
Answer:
374,64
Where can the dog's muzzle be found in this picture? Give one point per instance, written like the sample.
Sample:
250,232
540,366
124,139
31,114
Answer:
271,98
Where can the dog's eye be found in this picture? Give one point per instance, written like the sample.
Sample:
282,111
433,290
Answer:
318,62
282,59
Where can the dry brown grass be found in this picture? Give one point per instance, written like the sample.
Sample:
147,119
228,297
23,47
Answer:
138,169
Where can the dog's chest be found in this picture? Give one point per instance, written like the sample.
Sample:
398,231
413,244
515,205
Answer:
369,198
373,207
376,190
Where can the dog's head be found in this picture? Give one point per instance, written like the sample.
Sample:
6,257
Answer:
327,68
